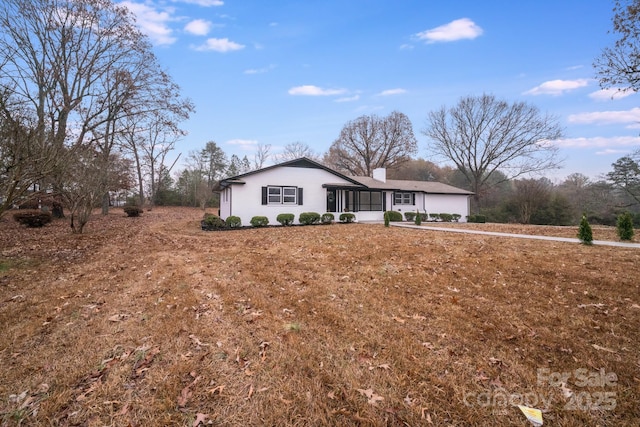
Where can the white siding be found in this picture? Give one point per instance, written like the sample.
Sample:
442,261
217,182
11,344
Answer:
448,203
246,199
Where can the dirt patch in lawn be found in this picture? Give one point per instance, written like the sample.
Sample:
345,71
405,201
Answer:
151,321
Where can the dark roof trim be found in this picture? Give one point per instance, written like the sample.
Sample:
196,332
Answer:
302,162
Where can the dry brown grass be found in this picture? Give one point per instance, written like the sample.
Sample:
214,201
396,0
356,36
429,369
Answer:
150,321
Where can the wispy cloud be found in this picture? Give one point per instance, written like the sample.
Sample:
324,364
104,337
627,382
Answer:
390,92
557,87
632,117
198,27
219,45
609,94
459,29
311,90
204,3
152,22
244,144
611,151
348,98
599,142
260,70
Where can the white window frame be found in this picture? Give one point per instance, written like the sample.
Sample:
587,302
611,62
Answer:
404,199
282,195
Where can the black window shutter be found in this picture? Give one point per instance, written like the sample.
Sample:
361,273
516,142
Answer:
300,196
384,201
413,198
264,195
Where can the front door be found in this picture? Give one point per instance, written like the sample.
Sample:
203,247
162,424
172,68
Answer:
331,200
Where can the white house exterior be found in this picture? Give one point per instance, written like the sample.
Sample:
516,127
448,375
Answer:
303,185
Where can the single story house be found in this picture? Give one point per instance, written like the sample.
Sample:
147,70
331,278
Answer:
303,185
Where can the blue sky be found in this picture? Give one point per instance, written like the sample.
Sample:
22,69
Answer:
277,72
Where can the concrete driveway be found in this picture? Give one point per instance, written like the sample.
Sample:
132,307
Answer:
522,236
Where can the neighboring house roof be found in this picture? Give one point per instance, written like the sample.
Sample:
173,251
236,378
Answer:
431,187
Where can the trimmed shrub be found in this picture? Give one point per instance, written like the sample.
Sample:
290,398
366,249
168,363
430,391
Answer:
625,226
309,218
477,218
233,221
418,219
32,218
132,211
286,218
455,217
386,218
445,217
434,217
259,221
394,216
327,218
347,217
410,216
212,222
585,234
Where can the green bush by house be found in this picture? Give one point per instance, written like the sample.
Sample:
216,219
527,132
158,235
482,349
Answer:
309,218
285,218
259,221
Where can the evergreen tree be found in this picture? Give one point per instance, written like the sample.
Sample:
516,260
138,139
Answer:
625,226
585,234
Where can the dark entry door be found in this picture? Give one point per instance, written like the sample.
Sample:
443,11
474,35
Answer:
331,200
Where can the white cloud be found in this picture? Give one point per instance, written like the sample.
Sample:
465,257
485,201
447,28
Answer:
198,27
245,144
219,45
348,98
607,117
557,87
310,90
204,3
609,94
390,92
455,30
598,142
260,70
611,151
406,46
152,22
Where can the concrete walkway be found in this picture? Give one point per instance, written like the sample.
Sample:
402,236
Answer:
522,236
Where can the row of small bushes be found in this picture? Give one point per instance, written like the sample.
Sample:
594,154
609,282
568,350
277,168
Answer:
214,222
444,217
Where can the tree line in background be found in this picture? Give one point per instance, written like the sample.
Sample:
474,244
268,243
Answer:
88,118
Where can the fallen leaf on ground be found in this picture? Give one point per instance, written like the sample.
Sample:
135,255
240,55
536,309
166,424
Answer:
118,317
597,347
200,418
372,398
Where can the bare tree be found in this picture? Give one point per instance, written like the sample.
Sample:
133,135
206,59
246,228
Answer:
24,162
296,150
482,136
371,142
529,196
83,187
72,64
261,156
619,65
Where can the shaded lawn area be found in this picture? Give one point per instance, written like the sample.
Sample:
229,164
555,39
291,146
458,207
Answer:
151,321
